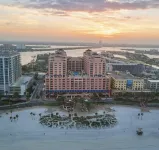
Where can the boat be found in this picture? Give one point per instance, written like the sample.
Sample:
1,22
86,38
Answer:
139,131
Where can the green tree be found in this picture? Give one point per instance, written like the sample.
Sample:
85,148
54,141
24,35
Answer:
75,114
1,96
156,94
10,99
34,83
37,96
75,100
127,94
61,100
120,94
36,76
95,97
6,92
16,95
30,90
80,100
70,115
25,69
100,94
27,95
88,105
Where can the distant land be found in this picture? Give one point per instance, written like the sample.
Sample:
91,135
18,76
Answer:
80,44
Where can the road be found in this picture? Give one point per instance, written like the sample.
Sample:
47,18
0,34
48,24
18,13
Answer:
38,89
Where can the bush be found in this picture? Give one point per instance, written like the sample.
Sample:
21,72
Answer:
52,104
119,99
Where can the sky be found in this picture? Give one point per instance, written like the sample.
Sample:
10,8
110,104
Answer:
112,21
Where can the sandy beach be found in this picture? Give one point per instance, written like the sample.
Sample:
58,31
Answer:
26,133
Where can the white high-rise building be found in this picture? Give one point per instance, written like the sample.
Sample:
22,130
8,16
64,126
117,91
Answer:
10,69
20,46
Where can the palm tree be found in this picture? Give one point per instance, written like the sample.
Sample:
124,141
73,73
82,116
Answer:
61,100
16,95
156,95
138,115
27,96
88,105
10,97
70,115
52,115
75,101
6,92
141,115
75,114
36,76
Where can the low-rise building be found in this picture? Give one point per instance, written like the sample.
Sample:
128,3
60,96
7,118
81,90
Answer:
7,47
126,81
20,46
21,85
153,85
135,69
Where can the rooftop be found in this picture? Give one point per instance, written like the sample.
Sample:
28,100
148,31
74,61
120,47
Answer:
122,75
122,64
75,58
23,80
8,53
154,81
77,74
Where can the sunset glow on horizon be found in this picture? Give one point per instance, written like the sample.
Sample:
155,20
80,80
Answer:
114,21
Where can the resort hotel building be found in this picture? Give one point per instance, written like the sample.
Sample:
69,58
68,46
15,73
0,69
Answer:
76,74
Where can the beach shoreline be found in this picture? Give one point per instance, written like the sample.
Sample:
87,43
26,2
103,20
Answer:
45,105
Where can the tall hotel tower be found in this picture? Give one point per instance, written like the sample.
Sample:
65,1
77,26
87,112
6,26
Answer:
76,74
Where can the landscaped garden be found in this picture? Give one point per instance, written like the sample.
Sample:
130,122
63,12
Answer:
74,121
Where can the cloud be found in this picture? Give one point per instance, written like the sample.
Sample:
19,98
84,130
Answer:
55,12
8,23
90,5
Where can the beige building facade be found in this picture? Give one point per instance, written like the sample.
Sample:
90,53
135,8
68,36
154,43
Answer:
126,81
